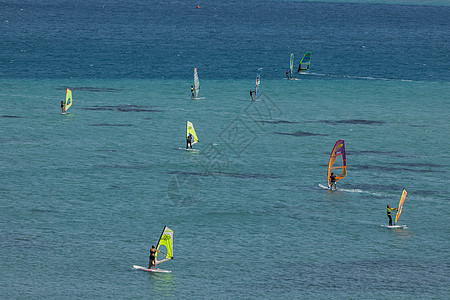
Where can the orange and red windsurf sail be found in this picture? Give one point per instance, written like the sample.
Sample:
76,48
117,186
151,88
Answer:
338,161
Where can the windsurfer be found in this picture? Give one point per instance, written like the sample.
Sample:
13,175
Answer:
251,94
287,74
63,106
189,141
152,259
192,92
333,180
389,209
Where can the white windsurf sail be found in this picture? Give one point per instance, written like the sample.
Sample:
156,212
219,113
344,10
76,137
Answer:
196,83
190,129
165,240
257,83
291,65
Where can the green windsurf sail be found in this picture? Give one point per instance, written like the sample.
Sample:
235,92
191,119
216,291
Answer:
69,100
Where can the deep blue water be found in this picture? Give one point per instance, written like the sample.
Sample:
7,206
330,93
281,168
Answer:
83,196
226,39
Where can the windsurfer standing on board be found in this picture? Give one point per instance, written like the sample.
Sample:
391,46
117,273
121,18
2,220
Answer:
333,180
192,92
189,141
152,259
251,94
389,209
287,74
63,106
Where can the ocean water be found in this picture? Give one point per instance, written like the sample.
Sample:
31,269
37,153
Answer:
85,195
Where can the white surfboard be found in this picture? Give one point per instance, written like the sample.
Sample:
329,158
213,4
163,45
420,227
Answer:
394,226
325,187
198,98
151,270
189,149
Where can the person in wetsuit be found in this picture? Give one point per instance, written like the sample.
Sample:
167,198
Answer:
389,209
63,106
333,180
192,92
152,258
287,74
189,139
251,94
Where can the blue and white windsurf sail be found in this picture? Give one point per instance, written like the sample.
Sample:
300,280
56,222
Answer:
196,83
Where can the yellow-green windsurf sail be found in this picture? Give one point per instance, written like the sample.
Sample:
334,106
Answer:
165,240
69,100
190,129
400,205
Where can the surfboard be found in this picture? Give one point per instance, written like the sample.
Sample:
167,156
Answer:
198,98
151,270
394,226
326,187
189,149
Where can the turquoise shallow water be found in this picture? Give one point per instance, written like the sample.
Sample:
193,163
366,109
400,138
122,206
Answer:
85,195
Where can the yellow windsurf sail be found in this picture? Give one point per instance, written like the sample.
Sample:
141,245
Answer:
165,240
338,161
69,100
190,129
400,205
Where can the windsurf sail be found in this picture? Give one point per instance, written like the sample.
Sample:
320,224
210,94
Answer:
305,62
258,82
400,205
338,161
190,129
291,65
196,83
165,240
69,100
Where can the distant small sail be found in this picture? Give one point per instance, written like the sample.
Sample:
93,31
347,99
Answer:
68,99
196,83
338,161
291,65
257,83
166,240
190,129
400,205
305,62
